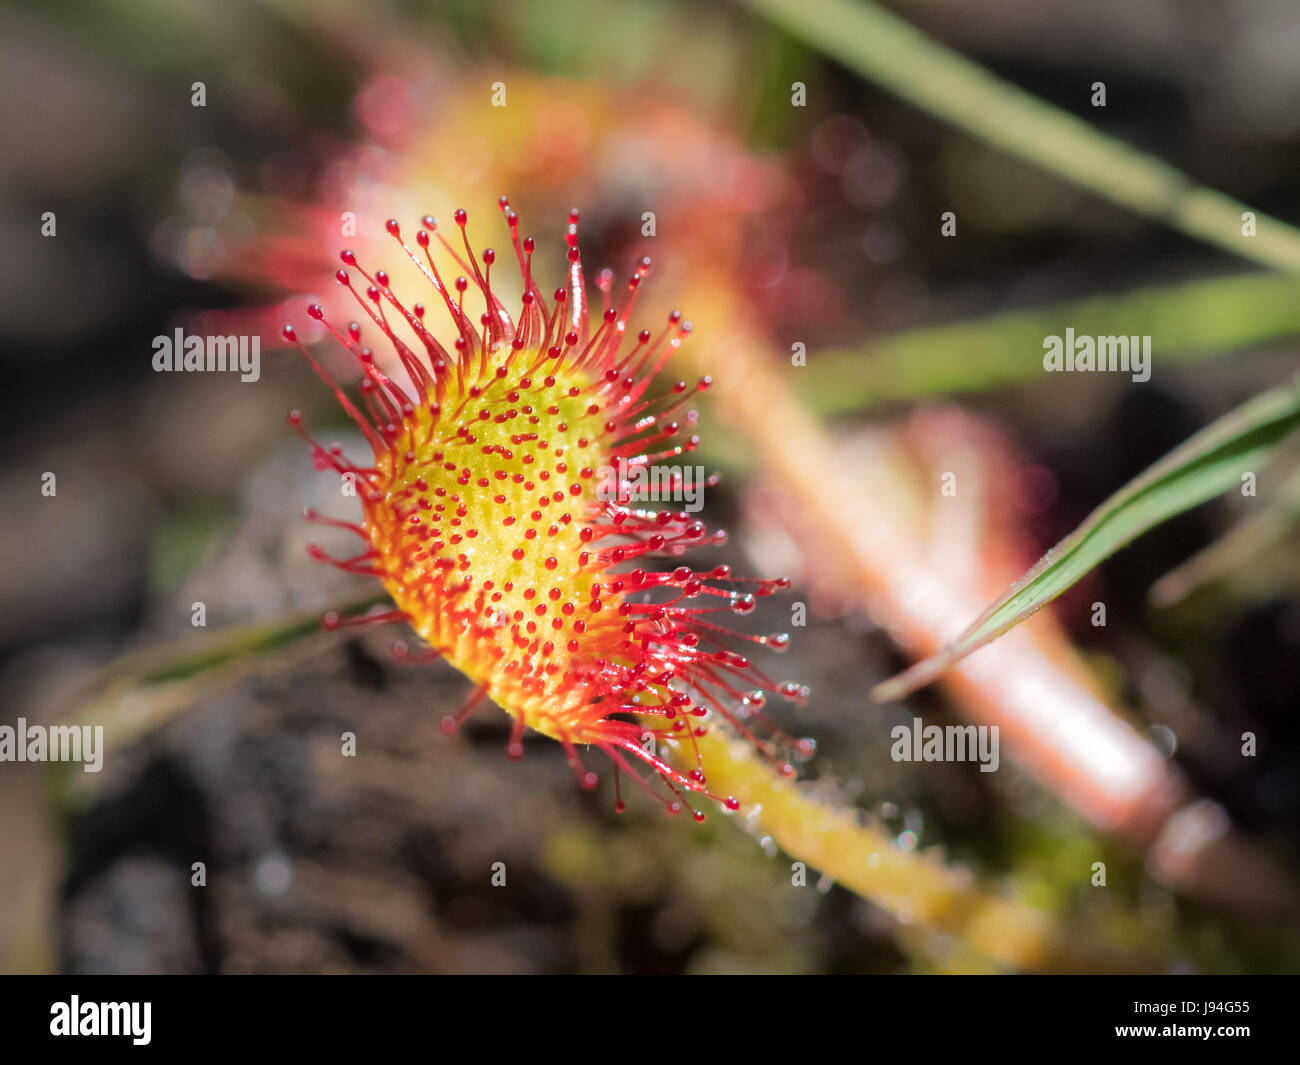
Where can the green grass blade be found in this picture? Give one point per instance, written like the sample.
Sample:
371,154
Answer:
1251,539
1193,320
1201,468
143,691
196,656
882,47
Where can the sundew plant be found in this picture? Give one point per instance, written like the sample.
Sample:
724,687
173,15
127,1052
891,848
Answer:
879,459
486,520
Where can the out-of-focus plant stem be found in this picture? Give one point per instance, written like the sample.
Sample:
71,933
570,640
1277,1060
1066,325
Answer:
916,888
886,49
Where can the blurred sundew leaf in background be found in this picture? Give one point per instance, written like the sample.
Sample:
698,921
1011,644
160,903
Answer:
1207,465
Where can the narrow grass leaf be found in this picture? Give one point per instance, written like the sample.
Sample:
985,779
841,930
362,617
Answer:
1206,465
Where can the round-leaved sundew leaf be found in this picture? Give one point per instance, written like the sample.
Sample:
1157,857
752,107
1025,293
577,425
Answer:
504,512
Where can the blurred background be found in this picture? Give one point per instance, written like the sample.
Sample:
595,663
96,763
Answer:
775,223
